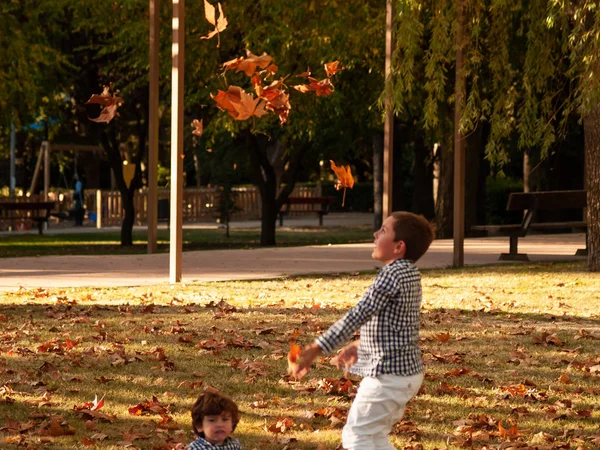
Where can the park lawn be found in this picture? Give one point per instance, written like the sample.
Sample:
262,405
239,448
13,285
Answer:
108,242
512,355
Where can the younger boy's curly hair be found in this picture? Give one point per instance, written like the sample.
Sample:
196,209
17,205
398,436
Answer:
416,232
212,403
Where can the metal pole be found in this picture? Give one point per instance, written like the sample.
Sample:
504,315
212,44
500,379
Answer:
153,127
388,130
13,178
177,72
46,171
98,208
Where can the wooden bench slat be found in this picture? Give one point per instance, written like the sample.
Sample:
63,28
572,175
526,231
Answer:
520,201
323,202
533,202
19,211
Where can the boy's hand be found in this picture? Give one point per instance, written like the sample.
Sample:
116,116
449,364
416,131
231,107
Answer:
307,357
347,356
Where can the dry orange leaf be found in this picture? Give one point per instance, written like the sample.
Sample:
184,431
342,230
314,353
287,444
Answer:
110,103
332,68
510,433
294,353
198,128
345,178
249,64
321,88
249,106
565,379
443,337
220,24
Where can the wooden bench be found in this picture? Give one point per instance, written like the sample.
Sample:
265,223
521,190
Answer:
532,202
316,205
36,211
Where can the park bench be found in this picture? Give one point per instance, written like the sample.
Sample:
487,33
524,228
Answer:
532,203
304,205
36,211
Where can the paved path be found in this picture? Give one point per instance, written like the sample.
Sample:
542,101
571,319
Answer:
137,270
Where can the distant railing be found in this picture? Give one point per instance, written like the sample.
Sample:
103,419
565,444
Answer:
199,204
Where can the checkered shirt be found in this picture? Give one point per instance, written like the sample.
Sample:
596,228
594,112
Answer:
202,444
388,315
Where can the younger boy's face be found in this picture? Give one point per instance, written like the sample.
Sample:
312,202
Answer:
387,249
216,428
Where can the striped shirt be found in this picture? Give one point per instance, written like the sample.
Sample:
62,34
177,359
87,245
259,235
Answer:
388,316
202,444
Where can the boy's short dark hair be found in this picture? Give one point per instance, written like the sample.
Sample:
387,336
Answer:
416,232
212,403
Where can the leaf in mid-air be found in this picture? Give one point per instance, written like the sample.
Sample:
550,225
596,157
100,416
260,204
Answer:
293,355
110,103
332,68
345,178
322,87
249,106
249,64
198,129
224,99
220,24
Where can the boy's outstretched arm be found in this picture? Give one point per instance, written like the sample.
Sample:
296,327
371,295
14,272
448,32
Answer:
347,356
305,360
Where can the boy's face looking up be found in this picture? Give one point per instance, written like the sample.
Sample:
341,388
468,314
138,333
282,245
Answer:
216,428
387,249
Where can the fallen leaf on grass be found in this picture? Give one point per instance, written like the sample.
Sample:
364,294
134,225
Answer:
149,407
280,426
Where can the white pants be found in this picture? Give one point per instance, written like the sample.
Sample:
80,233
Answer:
379,404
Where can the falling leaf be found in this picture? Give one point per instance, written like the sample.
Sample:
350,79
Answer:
249,64
345,178
293,355
220,24
109,102
321,88
332,68
249,106
198,129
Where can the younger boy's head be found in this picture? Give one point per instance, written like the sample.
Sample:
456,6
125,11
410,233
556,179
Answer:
214,417
403,235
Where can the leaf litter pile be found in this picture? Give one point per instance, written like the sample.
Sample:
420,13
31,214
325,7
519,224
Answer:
512,356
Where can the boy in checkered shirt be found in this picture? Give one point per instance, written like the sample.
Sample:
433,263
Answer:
387,355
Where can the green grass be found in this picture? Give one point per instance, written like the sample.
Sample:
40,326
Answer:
515,345
108,242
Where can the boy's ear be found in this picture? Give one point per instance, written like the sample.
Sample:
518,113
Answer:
400,249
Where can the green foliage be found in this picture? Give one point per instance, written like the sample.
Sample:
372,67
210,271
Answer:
32,66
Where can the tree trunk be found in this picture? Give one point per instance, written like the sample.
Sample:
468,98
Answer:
443,207
128,219
591,127
422,199
268,215
111,146
472,175
266,160
377,143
